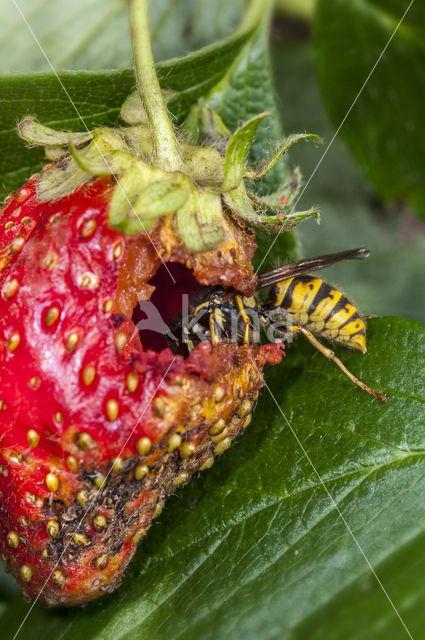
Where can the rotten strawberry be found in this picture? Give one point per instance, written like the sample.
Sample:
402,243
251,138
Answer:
96,428
100,423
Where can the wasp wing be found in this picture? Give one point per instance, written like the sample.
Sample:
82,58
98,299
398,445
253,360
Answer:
306,265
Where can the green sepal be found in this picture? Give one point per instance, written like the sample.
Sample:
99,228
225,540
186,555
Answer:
240,203
280,200
72,171
290,190
30,130
127,190
54,154
143,194
256,211
60,180
285,222
133,112
203,125
200,221
106,140
287,143
132,225
237,150
162,197
204,165
138,140
158,199
113,163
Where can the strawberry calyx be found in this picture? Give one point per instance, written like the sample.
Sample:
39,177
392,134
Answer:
212,178
158,172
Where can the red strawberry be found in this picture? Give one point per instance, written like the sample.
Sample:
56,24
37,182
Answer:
80,395
96,428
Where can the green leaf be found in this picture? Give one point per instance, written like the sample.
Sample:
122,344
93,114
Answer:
391,280
255,547
95,34
383,130
245,91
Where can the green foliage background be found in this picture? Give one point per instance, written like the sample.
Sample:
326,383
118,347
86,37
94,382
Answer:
259,546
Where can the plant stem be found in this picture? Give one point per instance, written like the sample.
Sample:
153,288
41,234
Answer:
165,151
301,9
255,11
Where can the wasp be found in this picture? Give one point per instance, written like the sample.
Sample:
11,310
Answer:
297,302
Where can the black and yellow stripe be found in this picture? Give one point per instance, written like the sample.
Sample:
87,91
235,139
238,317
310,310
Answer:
304,304
311,303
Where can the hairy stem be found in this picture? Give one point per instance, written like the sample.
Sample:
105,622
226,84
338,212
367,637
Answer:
165,150
301,9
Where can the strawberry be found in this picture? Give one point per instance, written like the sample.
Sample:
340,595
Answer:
99,423
98,429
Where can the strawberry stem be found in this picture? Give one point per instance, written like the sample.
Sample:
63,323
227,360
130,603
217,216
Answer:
165,150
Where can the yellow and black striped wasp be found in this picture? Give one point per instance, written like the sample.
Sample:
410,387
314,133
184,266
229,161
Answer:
297,302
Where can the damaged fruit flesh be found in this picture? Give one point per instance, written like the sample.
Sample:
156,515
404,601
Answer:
99,424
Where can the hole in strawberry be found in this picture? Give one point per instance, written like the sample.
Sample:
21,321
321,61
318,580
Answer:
153,317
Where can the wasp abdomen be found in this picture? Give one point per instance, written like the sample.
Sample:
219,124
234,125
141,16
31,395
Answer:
310,302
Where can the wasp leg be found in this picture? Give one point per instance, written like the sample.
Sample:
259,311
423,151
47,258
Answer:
331,356
244,317
211,321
